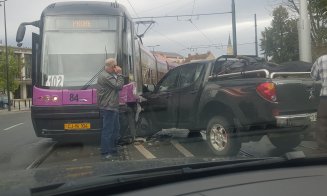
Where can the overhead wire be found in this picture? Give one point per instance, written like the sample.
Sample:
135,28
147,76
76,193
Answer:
203,34
182,15
177,16
132,8
196,27
172,40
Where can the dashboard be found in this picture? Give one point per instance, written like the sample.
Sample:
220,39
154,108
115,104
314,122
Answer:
299,181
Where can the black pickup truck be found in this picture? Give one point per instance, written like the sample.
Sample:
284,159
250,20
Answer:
235,99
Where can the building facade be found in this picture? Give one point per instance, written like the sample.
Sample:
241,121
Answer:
199,57
170,56
24,76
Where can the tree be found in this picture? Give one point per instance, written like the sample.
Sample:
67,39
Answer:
14,71
318,20
280,41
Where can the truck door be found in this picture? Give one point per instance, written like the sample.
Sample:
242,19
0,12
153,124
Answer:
164,101
188,90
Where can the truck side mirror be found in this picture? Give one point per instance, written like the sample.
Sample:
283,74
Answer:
20,33
148,88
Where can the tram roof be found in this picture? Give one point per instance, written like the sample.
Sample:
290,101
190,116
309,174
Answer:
85,8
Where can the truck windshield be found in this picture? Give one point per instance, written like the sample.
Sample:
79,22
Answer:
75,48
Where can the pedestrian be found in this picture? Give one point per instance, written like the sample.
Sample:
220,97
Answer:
110,82
319,72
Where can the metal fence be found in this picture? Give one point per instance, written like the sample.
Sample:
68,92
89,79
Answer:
21,104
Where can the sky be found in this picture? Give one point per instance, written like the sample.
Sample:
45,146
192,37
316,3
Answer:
183,35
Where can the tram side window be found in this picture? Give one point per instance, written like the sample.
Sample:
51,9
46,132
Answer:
138,67
129,50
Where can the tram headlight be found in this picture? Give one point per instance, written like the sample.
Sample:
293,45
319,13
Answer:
55,98
48,98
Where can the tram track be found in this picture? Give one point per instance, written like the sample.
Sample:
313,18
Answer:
38,161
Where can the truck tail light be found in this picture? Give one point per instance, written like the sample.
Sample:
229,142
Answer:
267,90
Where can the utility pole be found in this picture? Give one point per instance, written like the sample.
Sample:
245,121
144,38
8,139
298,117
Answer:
304,29
7,65
256,35
234,28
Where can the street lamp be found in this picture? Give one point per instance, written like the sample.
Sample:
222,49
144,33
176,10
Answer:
7,65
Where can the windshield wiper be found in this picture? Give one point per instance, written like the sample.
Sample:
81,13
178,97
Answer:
90,82
93,184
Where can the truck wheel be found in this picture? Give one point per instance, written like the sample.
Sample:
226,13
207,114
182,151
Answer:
220,138
285,141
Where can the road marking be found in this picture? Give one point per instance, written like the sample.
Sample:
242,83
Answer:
147,154
13,126
181,149
40,159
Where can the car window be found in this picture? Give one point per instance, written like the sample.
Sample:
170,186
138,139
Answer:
169,82
189,74
228,66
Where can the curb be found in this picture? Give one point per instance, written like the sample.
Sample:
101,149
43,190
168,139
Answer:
5,111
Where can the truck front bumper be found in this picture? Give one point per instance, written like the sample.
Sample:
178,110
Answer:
296,120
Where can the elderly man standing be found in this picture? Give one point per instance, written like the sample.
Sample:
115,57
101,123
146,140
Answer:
110,82
319,72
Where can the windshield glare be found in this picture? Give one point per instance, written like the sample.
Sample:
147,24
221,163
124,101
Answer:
72,56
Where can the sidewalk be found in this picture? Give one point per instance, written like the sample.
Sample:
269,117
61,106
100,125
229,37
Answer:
18,105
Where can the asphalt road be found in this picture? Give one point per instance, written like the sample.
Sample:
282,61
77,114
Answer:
170,144
21,149
18,144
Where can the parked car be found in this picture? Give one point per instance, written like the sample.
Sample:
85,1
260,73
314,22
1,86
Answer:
235,100
3,100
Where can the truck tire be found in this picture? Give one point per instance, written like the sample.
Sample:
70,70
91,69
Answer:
220,137
285,141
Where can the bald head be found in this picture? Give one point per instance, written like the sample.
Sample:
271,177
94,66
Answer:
110,64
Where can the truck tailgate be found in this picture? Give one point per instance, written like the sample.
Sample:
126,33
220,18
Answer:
293,95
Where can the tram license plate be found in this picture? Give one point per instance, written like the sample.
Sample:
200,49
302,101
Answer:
77,126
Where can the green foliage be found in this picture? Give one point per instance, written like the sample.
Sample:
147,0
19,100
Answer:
280,41
318,19
14,71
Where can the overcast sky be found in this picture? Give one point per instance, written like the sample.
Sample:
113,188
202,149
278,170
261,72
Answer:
171,34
